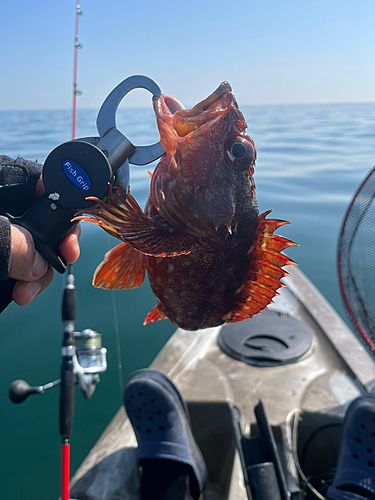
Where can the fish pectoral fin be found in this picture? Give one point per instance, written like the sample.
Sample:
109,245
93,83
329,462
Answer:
122,217
265,270
165,197
156,237
154,315
123,268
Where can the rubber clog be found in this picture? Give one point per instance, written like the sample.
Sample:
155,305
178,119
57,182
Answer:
161,423
355,476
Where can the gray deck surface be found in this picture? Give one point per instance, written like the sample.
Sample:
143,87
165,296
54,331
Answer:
335,370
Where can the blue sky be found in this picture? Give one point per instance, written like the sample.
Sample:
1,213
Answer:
271,51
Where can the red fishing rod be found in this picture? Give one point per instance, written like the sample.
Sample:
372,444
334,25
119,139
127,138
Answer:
69,311
83,358
67,391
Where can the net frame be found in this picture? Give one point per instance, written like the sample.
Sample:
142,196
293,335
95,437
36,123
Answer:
361,209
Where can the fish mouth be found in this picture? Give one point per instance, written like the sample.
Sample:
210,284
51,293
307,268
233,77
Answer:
174,121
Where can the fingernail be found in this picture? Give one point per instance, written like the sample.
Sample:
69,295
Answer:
40,265
34,290
77,246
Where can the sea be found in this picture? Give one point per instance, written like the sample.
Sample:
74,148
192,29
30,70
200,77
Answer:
311,160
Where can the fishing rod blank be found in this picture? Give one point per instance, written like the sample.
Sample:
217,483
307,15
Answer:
67,390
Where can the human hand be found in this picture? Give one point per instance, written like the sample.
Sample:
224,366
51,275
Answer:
31,270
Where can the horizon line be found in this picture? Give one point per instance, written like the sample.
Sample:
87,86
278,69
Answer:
318,103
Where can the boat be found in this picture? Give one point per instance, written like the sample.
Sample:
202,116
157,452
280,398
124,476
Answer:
265,394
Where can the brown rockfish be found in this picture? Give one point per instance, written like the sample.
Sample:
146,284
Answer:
210,257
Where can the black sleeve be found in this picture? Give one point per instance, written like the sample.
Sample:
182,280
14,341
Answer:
18,178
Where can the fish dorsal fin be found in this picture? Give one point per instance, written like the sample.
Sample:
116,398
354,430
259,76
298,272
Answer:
122,217
123,268
154,315
265,271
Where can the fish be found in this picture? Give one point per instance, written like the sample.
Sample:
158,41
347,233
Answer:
210,257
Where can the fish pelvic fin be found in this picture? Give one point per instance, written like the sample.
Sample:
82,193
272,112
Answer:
154,315
123,268
122,217
265,271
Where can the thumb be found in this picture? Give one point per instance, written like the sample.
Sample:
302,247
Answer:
26,263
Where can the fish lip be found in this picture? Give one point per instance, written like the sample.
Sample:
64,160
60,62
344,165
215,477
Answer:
172,105
222,89
168,106
175,121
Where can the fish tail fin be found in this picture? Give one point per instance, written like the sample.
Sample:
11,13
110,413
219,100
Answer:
154,315
265,271
123,268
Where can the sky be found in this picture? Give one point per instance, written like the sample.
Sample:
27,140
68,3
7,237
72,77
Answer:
271,51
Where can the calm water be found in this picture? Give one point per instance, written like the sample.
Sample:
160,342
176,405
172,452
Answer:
311,159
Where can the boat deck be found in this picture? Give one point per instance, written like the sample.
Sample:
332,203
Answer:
334,370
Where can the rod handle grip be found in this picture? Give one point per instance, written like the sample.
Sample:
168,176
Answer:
67,394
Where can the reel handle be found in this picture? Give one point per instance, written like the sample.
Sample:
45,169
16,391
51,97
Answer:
20,390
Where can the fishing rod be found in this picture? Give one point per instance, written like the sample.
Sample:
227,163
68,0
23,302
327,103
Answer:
69,311
83,359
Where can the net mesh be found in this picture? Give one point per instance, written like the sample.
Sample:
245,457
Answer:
356,259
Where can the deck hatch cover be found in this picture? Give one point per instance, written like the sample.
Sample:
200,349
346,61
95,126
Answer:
268,339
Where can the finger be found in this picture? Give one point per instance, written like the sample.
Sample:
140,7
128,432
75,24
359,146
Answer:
26,263
69,247
39,189
25,291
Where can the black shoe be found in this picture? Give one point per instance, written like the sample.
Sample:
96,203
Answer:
161,423
355,476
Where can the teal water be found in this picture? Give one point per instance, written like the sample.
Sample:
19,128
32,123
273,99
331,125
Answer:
311,159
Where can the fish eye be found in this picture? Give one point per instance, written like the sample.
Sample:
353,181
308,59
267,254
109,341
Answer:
239,152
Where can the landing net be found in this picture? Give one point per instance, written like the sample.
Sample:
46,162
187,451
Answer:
356,261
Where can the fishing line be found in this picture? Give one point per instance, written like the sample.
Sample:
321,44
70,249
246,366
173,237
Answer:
117,334
293,419
118,344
